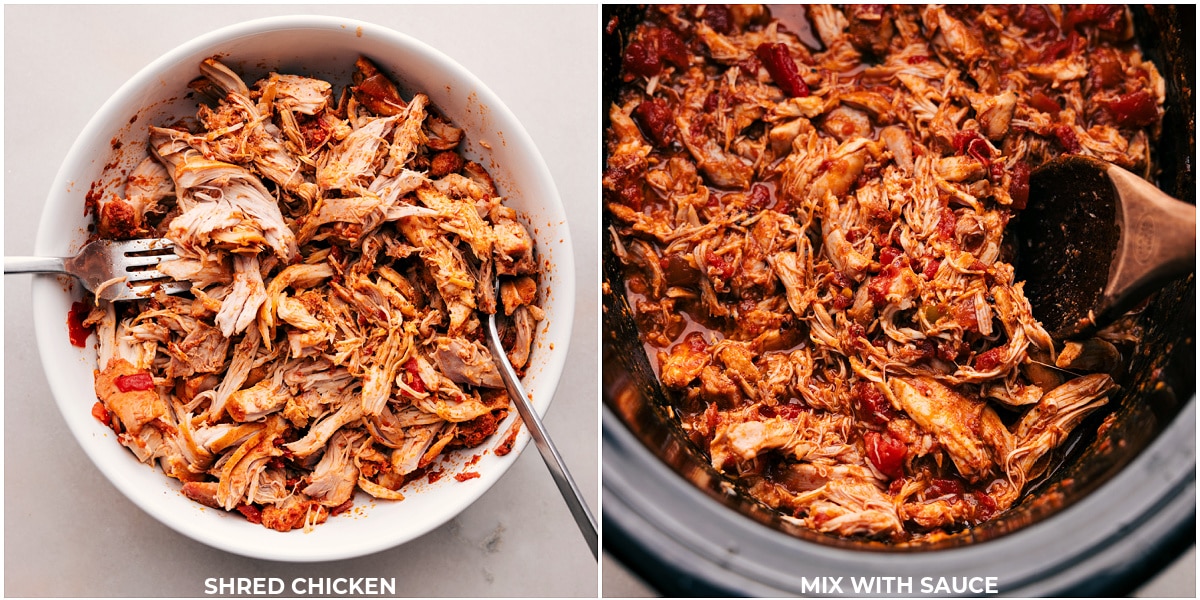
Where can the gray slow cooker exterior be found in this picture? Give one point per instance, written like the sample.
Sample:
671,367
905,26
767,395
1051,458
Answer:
685,543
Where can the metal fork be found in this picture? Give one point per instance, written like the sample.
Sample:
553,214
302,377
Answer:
558,469
111,269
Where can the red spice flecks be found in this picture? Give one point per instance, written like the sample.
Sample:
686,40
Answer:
465,475
75,329
434,476
135,383
510,440
91,200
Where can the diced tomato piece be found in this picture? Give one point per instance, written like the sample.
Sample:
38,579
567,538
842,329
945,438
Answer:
719,18
881,284
101,414
779,64
640,60
75,329
889,254
1033,17
989,360
931,268
886,453
1044,103
985,506
964,313
1067,139
412,376
1107,70
750,66
969,142
1136,109
717,262
314,130
655,118
1109,18
944,487
1062,48
789,411
695,341
872,11
947,223
672,49
759,197
872,406
135,383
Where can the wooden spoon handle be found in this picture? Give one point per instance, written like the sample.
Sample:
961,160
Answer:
1158,240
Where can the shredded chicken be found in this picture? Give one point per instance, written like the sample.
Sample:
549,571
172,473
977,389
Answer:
813,235
341,254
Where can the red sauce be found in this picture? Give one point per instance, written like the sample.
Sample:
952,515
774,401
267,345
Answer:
465,475
434,476
79,334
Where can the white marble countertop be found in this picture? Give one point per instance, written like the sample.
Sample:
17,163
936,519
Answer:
69,532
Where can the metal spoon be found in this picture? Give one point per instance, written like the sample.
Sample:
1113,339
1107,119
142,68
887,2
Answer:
562,477
1095,240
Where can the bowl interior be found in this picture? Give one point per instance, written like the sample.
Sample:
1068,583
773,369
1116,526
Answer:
115,141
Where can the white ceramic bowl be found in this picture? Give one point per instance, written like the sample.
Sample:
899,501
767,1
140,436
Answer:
324,47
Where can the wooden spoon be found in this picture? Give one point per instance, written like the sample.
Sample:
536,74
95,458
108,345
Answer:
1095,240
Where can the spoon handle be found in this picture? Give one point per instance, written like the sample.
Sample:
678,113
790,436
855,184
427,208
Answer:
1158,240
558,469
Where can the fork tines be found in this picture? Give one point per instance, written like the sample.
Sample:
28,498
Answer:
140,260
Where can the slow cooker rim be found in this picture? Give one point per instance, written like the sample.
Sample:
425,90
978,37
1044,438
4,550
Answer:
1115,553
